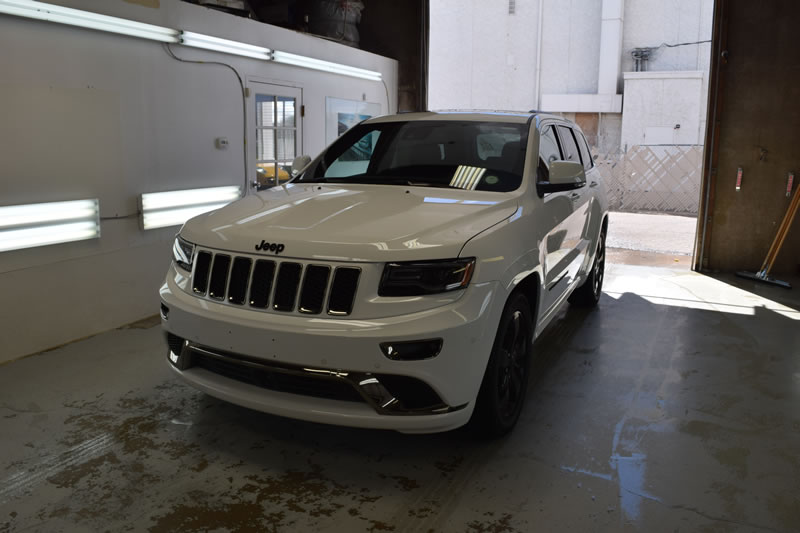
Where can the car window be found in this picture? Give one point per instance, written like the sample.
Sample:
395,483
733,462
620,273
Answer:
548,146
355,159
549,151
470,155
571,152
585,154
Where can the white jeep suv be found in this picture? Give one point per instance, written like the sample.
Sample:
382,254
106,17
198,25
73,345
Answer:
399,280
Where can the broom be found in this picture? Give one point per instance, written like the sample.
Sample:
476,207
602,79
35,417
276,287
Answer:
763,274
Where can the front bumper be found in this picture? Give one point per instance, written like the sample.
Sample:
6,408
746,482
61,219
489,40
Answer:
340,349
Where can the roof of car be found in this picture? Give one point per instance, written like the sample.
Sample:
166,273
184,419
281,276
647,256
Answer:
477,116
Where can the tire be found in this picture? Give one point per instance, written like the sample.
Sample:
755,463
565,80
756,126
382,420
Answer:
588,294
505,381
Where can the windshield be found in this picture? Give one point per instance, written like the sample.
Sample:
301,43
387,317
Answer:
481,156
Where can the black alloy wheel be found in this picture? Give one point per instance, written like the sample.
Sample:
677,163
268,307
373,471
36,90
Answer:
505,382
588,294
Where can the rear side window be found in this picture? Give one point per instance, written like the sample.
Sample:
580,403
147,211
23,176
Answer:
585,154
548,146
571,152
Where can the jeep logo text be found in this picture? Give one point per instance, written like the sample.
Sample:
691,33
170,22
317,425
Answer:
269,247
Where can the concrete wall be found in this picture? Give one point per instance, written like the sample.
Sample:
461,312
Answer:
649,23
570,58
87,114
570,42
760,93
656,102
482,57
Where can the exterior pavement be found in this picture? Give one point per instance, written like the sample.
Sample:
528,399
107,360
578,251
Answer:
670,407
665,234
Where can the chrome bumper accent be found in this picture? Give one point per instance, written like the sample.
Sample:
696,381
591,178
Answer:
366,384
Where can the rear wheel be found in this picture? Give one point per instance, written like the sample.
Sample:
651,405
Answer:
588,294
505,382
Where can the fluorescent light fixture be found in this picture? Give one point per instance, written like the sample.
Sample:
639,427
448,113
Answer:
326,66
87,19
197,40
173,208
26,226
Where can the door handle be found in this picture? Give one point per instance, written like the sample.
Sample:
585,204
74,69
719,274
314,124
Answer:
593,184
574,196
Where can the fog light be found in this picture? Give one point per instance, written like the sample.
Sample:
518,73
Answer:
412,350
176,351
164,312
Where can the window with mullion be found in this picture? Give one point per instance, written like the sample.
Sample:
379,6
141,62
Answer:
276,140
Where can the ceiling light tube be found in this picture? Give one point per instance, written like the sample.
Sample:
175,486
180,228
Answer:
86,19
173,208
26,226
326,66
198,40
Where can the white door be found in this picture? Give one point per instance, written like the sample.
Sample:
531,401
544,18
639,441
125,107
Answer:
276,118
574,244
556,214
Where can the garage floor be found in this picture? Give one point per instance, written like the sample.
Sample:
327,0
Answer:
672,407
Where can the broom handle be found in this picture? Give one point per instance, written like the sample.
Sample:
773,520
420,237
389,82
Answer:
780,237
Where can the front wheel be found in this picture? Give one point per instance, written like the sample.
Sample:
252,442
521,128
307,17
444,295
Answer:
588,294
505,382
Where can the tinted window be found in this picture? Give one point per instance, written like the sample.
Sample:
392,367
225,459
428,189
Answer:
571,152
549,151
355,159
472,155
548,146
585,154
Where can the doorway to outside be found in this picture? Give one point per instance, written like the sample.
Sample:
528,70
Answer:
277,120
654,194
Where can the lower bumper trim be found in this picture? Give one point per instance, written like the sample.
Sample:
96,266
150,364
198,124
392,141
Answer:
386,394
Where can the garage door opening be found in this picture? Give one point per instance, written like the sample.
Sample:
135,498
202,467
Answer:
633,75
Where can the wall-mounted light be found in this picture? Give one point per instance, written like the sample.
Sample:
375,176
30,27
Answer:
87,19
29,225
173,208
326,66
198,40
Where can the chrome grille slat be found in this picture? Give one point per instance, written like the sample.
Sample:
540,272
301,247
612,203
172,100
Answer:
276,286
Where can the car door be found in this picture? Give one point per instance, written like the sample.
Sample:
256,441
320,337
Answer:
555,217
574,242
591,220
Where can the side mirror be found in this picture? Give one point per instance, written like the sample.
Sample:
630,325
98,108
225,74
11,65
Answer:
300,162
564,176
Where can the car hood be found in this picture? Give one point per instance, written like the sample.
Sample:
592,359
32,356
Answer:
352,222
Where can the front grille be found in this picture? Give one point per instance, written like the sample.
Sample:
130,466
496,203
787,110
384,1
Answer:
284,286
219,276
318,387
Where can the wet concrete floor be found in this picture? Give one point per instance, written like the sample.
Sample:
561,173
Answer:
674,406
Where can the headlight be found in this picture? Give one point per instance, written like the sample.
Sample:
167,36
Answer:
429,277
183,253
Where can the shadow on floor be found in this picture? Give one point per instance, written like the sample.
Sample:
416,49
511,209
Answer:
639,415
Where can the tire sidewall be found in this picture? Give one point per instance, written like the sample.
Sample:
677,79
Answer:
489,417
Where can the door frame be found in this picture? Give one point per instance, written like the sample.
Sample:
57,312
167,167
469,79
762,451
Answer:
257,85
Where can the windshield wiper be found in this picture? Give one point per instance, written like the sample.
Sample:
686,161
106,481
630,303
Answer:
429,184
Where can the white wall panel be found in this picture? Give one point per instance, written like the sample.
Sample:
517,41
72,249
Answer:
87,114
